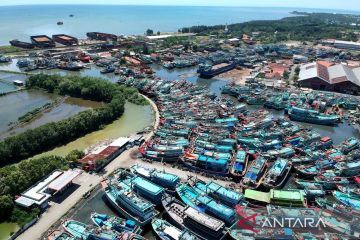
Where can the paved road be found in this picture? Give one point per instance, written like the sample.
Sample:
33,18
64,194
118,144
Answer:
87,182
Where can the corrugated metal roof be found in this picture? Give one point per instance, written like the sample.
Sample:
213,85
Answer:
63,180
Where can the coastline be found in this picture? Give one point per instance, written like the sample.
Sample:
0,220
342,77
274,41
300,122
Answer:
88,182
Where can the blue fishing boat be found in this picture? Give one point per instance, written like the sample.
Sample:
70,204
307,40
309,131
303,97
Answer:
205,204
82,231
228,196
312,190
115,223
128,204
351,190
277,174
348,169
60,235
162,178
312,116
239,165
350,145
347,200
202,225
141,186
262,234
255,174
108,69
211,165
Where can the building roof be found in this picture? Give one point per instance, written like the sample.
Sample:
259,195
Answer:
329,72
37,193
120,142
63,180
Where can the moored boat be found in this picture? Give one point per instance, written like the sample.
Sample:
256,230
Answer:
239,164
162,178
128,204
277,174
206,204
115,223
255,174
312,116
347,200
202,225
80,230
166,231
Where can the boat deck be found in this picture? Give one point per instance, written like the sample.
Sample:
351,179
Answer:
210,222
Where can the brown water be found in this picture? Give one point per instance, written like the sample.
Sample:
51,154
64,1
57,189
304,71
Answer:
134,119
14,105
6,229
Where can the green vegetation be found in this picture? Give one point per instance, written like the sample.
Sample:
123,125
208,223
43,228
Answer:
306,27
51,135
9,49
15,179
31,115
149,32
286,75
175,40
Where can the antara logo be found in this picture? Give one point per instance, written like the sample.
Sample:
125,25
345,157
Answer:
276,222
242,222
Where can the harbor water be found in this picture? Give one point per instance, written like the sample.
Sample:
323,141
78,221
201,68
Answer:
136,118
21,22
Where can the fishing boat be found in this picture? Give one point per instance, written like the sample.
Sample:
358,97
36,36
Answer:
347,200
115,223
312,190
262,234
166,231
348,168
210,165
84,57
70,66
226,195
60,235
351,190
162,178
312,116
80,230
108,69
330,180
239,164
185,217
350,145
128,204
277,174
205,203
308,171
141,186
23,63
255,174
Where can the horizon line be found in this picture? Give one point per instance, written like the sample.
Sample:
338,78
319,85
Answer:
162,5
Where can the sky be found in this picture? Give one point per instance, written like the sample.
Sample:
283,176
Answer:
325,4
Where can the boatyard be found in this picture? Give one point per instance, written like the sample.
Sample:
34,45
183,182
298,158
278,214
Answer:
220,137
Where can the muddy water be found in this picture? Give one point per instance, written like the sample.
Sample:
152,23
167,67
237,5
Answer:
14,105
134,119
6,229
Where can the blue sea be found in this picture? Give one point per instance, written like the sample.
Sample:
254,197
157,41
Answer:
20,22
